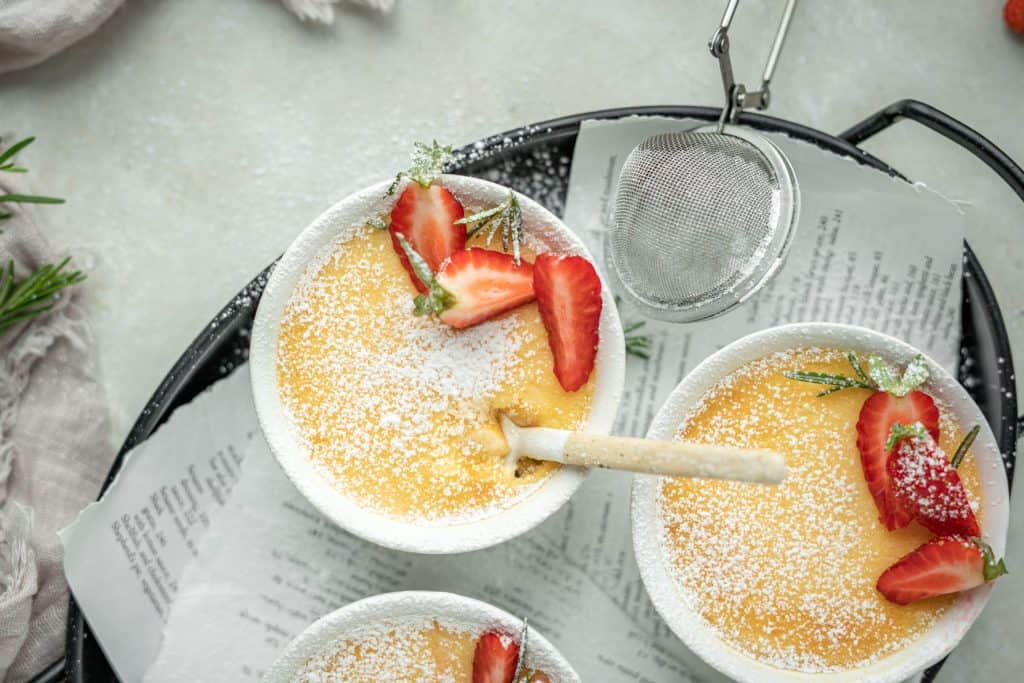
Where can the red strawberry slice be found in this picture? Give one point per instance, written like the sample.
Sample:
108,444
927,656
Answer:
877,416
426,217
569,298
928,487
483,283
948,564
494,662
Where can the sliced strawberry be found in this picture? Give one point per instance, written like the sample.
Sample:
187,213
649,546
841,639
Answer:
879,413
569,297
426,217
948,564
494,662
483,284
928,487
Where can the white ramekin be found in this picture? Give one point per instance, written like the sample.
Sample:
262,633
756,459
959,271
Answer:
664,591
543,232
447,608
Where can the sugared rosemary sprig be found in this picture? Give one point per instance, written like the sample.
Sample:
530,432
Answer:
506,218
880,376
35,294
965,445
437,299
427,164
7,164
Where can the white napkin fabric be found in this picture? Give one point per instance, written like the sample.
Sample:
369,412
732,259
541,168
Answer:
54,449
33,30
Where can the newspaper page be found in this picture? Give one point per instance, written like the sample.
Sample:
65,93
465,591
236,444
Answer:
124,555
869,250
573,577
241,578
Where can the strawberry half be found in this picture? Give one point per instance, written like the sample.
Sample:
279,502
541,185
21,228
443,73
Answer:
927,485
879,413
569,298
494,662
948,564
426,217
484,283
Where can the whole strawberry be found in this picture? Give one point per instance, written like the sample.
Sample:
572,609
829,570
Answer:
1013,13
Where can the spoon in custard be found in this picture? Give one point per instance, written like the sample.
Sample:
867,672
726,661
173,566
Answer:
646,456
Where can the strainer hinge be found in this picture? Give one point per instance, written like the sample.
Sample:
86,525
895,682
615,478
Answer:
737,97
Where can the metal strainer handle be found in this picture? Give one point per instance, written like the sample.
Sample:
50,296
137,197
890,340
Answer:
737,96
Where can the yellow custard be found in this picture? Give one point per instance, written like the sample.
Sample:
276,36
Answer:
399,653
399,411
787,574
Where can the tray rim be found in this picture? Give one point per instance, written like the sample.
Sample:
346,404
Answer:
230,317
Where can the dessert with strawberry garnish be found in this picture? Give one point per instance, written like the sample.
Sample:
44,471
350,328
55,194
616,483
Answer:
415,650
867,544
453,302
414,637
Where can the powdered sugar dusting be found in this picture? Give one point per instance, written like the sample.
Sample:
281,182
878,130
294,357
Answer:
418,649
787,574
398,409
920,464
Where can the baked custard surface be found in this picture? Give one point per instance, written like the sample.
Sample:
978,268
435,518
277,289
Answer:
400,412
787,574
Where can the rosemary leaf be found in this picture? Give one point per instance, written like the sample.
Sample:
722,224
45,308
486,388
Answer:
965,445
29,199
438,299
15,148
840,381
506,218
35,294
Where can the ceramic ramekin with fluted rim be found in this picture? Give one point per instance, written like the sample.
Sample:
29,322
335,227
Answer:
448,609
655,570
543,231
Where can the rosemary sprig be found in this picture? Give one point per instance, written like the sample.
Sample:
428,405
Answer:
506,218
880,376
7,164
427,164
965,445
35,294
437,299
638,345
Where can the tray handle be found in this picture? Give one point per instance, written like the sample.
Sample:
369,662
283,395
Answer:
967,138
951,129
946,126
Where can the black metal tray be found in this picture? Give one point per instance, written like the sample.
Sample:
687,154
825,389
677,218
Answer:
536,161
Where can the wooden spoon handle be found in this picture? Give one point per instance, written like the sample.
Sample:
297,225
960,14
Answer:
674,458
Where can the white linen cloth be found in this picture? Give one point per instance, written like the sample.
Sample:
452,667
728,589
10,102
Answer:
54,450
33,30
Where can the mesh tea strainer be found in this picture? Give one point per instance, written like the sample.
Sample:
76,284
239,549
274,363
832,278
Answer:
703,218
